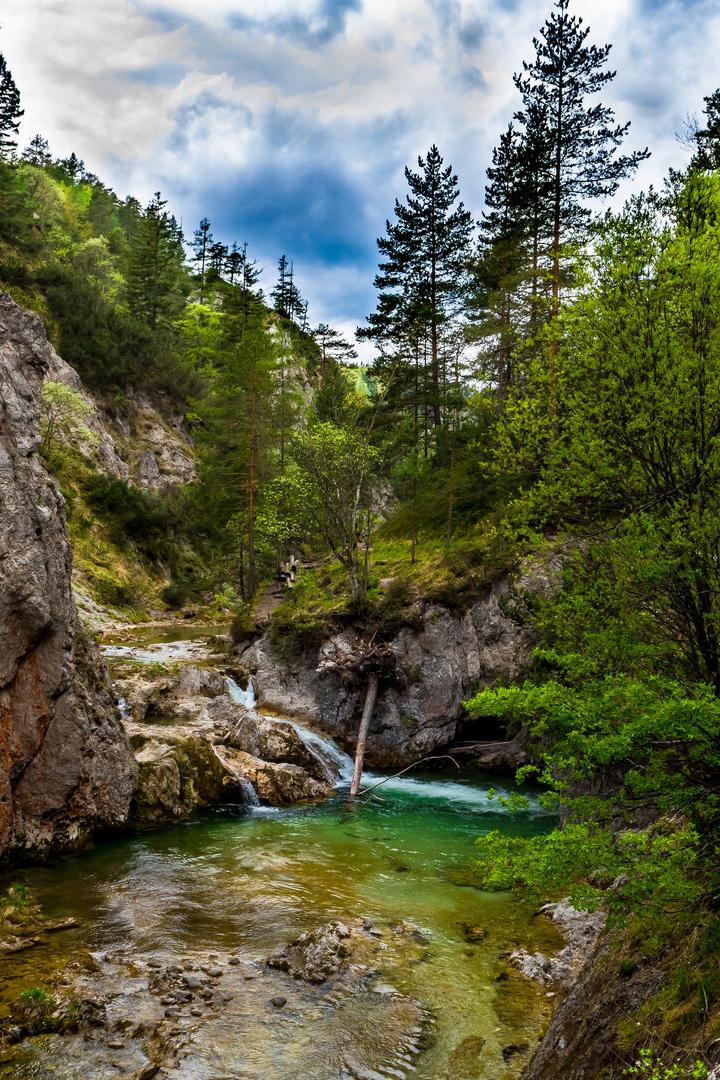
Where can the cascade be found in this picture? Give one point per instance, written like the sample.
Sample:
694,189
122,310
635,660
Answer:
240,696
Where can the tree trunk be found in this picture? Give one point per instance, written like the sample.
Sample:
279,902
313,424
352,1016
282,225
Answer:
370,696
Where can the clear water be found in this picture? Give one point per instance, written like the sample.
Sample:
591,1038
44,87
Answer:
244,880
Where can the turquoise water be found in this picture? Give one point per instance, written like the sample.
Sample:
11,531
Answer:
239,881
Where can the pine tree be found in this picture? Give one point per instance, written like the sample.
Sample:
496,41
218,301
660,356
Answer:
333,347
10,112
73,167
217,257
279,294
286,297
707,139
155,264
426,251
37,152
496,298
237,422
202,242
579,158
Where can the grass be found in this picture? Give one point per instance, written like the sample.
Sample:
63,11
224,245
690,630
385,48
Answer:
452,575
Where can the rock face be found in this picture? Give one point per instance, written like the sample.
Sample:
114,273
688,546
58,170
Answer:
439,665
581,931
132,440
65,763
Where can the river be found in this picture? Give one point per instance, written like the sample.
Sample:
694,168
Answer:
238,881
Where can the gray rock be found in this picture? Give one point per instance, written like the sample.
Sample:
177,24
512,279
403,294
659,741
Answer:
315,955
65,763
440,665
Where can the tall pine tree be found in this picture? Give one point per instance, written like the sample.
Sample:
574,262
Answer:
10,112
707,139
426,252
580,159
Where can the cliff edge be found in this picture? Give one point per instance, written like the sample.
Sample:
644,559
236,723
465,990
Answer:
66,768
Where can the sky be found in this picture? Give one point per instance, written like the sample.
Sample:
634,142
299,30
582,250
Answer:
289,122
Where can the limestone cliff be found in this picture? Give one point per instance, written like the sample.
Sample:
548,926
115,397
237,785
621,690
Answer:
438,664
66,768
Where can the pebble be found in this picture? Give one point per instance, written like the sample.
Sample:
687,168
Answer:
207,995
250,975
175,970
196,1012
234,960
154,964
192,982
216,972
171,1014
278,1001
116,1045
169,1000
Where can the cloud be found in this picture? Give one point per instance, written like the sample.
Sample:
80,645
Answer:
289,122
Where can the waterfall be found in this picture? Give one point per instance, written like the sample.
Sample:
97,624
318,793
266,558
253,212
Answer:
332,757
336,760
250,797
240,696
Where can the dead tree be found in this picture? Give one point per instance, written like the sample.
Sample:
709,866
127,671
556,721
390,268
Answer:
362,662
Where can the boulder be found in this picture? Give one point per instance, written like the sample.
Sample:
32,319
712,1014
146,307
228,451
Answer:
177,778
315,955
66,768
269,739
276,783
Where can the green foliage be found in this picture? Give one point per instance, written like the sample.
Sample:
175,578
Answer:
134,516
341,472
649,1067
63,415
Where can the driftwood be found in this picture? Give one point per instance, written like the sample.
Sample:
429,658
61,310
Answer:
370,696
367,661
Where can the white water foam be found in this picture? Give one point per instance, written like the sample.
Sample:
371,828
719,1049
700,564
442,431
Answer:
240,696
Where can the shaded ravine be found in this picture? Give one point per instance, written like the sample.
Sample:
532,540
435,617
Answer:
238,882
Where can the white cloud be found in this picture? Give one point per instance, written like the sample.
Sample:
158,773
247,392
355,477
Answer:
173,94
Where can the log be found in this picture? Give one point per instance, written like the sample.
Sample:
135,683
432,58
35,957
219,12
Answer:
370,696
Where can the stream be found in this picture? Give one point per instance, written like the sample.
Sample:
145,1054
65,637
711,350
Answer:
226,888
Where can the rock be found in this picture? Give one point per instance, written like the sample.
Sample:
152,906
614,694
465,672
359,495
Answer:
234,961
175,779
66,769
439,662
474,934
510,1051
278,1001
192,982
116,1044
264,738
278,784
314,956
580,929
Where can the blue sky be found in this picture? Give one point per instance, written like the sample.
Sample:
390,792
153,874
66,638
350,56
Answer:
289,122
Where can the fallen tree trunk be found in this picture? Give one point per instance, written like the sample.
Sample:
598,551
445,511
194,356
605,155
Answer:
370,696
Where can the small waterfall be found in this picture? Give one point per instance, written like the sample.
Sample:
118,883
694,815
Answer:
240,696
250,797
335,760
124,708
